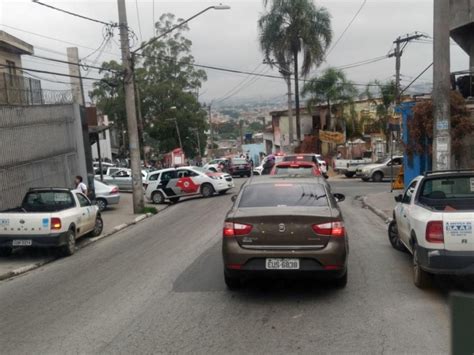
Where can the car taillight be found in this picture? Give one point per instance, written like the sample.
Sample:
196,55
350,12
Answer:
236,229
55,223
115,190
434,232
333,229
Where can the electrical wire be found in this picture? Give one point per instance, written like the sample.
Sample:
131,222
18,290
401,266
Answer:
417,77
74,14
242,82
138,18
347,28
49,72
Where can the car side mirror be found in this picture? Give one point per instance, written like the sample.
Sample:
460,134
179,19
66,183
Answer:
398,198
339,197
234,198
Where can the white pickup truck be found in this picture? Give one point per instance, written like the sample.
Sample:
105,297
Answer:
433,220
348,167
49,217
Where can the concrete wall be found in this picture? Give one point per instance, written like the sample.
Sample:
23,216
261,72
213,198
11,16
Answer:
41,146
12,57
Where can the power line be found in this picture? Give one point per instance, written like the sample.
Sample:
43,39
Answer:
138,18
347,28
418,76
49,72
75,14
241,82
67,62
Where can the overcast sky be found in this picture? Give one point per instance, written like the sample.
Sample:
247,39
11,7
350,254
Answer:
229,38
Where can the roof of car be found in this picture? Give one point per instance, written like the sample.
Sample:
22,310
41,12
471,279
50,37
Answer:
63,189
272,179
461,172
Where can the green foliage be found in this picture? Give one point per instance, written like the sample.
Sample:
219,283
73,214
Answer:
166,78
151,210
255,127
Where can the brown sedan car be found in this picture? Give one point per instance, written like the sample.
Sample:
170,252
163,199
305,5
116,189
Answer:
285,226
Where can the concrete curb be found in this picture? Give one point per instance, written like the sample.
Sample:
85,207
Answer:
375,210
27,268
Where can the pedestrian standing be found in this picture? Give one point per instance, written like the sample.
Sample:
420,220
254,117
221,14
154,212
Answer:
80,186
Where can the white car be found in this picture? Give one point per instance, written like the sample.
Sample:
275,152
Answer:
106,195
172,184
49,217
121,177
433,220
213,165
259,169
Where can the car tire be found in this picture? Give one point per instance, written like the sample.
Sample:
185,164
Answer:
421,278
157,198
98,227
377,176
394,238
70,247
207,190
349,175
6,252
174,199
341,282
102,204
232,283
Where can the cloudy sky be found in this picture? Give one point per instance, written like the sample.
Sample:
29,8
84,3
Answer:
228,39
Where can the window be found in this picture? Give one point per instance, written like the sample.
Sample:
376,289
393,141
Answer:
298,170
409,193
455,192
283,195
122,173
187,173
396,161
168,175
153,177
11,67
47,201
83,200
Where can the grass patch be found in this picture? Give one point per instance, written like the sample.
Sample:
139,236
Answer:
151,210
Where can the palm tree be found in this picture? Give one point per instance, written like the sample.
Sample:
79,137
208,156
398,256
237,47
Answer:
291,27
331,88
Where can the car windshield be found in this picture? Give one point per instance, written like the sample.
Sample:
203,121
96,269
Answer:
298,158
298,170
47,201
239,161
284,195
448,193
382,161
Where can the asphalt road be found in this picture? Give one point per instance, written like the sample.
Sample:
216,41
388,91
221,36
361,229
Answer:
158,288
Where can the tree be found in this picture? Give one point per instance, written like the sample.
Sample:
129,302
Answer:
334,89
384,99
291,27
168,82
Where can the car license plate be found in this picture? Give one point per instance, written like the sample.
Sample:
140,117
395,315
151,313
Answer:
282,264
22,243
241,166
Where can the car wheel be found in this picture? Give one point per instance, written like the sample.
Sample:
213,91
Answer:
174,199
102,204
207,190
341,282
5,252
421,278
232,283
394,238
98,227
349,175
157,198
377,177
70,247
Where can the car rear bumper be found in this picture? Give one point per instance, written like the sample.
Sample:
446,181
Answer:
112,199
330,261
240,172
37,241
446,262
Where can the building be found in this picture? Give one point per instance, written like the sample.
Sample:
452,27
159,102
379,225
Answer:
15,89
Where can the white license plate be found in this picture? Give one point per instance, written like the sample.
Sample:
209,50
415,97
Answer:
22,243
282,264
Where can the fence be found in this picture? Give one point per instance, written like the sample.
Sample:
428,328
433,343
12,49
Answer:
41,146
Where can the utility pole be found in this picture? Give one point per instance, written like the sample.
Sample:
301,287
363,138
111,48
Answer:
398,59
134,143
177,131
441,87
210,152
241,126
290,113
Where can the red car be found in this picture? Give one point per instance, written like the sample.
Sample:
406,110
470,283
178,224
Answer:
296,168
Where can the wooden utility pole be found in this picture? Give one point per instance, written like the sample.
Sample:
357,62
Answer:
134,142
441,87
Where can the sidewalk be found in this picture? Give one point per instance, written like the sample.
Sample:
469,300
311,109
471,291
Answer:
382,203
115,218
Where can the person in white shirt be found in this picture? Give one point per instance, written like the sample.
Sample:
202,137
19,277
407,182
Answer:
80,186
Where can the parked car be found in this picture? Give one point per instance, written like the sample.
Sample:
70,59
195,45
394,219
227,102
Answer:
381,169
121,177
105,167
315,158
213,165
172,184
106,194
285,226
240,167
349,167
296,168
433,220
49,217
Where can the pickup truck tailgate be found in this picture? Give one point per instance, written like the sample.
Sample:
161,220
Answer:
458,231
24,224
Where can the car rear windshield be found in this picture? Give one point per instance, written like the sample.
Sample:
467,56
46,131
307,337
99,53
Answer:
299,170
47,201
448,193
239,161
298,158
283,195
